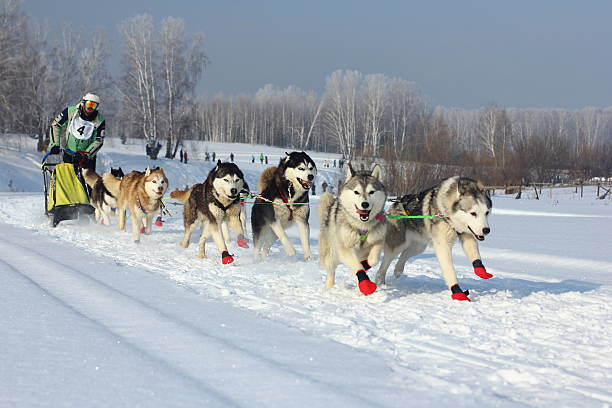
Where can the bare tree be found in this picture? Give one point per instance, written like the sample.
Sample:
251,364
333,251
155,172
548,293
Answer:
341,95
139,86
182,65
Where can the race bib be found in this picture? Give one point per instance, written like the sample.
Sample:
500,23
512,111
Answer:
81,129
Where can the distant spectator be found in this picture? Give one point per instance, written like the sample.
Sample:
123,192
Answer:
324,186
334,162
232,157
182,155
185,157
213,156
252,158
266,159
314,187
206,156
261,158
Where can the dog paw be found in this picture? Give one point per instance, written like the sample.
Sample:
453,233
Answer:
307,256
482,273
226,258
291,252
460,296
158,222
480,270
367,287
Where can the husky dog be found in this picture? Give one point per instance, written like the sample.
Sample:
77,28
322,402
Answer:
141,193
100,197
460,207
353,226
210,204
273,212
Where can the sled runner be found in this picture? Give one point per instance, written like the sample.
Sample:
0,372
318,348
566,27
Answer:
65,191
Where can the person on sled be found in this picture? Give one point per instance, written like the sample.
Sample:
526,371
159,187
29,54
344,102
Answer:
80,129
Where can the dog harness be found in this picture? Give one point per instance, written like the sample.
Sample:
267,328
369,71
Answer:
225,207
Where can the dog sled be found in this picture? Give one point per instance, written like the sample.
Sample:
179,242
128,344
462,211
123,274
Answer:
65,191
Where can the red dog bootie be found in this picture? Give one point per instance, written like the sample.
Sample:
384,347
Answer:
142,230
366,286
365,265
226,258
242,241
480,270
158,222
459,294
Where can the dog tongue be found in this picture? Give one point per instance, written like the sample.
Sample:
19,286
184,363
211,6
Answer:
363,212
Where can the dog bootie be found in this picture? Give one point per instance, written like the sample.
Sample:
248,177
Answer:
226,258
142,230
159,222
242,241
480,270
365,264
366,286
459,294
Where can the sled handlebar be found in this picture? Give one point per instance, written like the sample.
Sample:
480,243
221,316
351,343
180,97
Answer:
83,154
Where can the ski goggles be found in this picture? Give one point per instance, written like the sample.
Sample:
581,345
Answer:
91,105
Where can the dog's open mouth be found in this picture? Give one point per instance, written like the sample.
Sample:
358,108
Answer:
364,215
305,184
478,237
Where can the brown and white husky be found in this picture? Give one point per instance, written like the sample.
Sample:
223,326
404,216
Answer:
141,193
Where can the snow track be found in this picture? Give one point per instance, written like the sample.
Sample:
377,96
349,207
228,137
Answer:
173,340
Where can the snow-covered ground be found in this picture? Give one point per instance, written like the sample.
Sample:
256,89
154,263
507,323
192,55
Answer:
91,319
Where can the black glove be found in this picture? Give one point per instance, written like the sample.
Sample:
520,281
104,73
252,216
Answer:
55,150
78,157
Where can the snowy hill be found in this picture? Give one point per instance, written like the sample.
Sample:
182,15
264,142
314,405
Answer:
91,319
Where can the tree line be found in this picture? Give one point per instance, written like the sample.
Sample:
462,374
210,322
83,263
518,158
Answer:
365,118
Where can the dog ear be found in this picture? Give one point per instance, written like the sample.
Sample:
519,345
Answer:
218,162
376,172
349,171
147,171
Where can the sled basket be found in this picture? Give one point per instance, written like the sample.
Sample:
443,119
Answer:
65,193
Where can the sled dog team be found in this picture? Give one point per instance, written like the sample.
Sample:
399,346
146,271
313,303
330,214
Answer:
355,228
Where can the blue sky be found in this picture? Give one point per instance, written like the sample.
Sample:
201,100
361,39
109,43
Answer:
459,53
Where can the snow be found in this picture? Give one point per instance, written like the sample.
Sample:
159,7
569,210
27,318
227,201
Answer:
92,319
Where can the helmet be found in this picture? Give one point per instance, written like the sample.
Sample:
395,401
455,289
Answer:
90,101
91,97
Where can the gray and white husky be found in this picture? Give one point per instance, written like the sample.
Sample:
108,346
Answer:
212,203
353,226
279,187
460,207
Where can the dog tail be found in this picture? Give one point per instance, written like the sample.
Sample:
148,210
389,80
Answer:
266,178
111,183
326,201
181,195
91,177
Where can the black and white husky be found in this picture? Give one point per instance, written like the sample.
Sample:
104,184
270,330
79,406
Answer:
460,207
353,226
100,197
212,203
274,209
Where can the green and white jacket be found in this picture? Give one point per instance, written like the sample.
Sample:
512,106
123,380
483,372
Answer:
70,131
